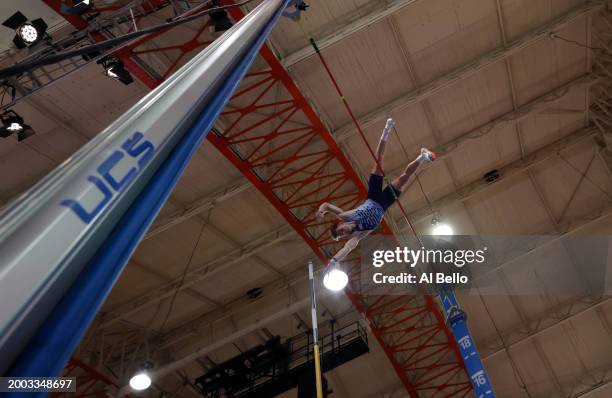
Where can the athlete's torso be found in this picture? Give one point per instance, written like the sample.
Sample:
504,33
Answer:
367,216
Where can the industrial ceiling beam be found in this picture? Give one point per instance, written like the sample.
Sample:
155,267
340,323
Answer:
602,387
566,318
471,68
206,203
178,336
182,333
229,339
515,104
540,104
271,289
517,167
195,275
186,332
264,190
594,305
198,207
296,197
199,327
194,294
347,30
426,107
460,195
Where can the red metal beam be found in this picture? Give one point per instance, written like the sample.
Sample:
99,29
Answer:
86,379
274,137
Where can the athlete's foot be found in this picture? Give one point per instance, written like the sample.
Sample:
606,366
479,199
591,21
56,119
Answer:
427,155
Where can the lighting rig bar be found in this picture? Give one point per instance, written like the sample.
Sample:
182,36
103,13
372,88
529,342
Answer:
113,23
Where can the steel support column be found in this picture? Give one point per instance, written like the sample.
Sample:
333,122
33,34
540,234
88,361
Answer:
44,323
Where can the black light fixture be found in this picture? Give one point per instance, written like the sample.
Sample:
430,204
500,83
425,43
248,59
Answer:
75,7
491,176
254,293
27,33
12,123
114,68
219,19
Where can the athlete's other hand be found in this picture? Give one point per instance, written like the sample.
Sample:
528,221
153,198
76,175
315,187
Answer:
321,214
322,211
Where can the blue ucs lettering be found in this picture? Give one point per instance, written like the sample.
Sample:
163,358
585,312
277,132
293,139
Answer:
106,167
80,211
134,150
109,184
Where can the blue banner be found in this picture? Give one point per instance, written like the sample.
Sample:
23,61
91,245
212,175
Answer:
473,364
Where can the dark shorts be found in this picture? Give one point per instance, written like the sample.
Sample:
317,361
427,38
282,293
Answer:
384,197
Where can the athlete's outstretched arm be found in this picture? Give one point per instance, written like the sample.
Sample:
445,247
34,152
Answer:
380,149
348,247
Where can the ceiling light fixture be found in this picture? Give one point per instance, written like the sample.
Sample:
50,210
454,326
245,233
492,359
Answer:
219,19
142,380
115,69
12,123
78,7
440,228
335,278
27,32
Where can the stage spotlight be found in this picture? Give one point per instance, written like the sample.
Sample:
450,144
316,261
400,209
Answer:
220,21
12,123
114,68
78,7
27,32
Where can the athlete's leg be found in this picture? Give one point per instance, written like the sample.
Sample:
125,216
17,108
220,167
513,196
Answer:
425,156
380,149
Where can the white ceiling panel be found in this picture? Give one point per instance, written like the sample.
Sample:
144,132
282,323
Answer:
369,69
522,16
471,103
449,35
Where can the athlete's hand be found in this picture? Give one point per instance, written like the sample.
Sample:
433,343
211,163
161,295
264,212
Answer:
322,211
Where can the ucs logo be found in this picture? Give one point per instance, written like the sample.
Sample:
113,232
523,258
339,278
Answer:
109,186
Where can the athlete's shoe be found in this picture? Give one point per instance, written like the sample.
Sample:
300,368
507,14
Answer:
427,155
389,124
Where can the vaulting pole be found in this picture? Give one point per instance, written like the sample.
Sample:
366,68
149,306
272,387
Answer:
65,242
315,331
473,364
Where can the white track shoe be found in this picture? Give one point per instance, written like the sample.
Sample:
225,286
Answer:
427,155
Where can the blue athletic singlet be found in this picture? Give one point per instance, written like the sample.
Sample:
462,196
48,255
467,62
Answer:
367,216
